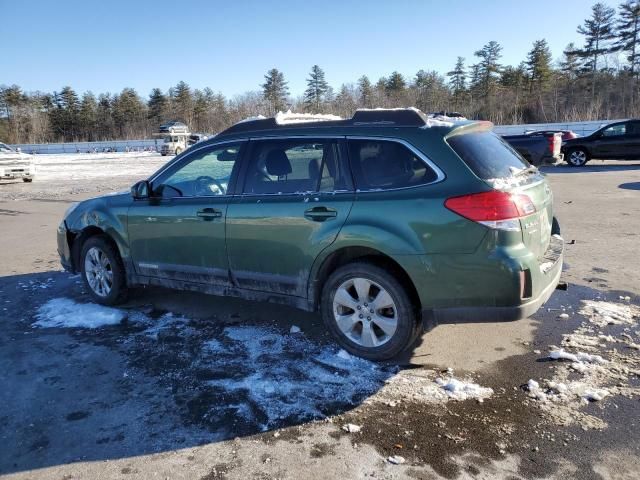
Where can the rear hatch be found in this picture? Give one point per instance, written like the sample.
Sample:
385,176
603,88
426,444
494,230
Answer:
496,163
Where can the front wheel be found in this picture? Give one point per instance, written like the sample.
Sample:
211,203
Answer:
27,180
577,157
103,271
178,151
368,311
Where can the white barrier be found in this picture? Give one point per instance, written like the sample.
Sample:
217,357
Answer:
581,128
86,147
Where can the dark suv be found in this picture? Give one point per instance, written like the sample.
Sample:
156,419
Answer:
620,140
384,222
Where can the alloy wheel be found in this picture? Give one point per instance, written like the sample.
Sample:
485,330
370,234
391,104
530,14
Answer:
578,158
98,271
365,312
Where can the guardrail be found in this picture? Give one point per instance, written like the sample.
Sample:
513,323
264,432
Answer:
90,147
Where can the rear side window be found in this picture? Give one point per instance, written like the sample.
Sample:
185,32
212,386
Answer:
383,164
295,166
487,155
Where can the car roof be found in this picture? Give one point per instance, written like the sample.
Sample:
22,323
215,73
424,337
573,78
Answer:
362,120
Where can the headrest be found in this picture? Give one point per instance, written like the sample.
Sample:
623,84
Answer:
277,163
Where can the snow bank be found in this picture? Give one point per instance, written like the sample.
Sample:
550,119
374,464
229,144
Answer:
64,312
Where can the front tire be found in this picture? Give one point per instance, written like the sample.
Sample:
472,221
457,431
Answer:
368,311
27,180
103,271
577,157
178,151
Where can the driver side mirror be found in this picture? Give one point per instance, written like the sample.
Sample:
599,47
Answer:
141,190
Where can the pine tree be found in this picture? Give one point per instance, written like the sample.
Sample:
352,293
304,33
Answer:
275,91
598,31
395,83
88,116
105,117
317,88
157,106
628,34
570,63
365,91
538,66
488,67
183,101
458,81
64,117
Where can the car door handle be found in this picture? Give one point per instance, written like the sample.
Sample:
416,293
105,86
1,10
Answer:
320,214
209,213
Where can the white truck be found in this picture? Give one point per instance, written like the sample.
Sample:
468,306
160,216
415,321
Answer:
174,143
15,164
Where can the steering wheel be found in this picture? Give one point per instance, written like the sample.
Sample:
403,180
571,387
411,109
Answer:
203,185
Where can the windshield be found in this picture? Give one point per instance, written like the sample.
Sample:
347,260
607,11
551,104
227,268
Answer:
5,148
487,155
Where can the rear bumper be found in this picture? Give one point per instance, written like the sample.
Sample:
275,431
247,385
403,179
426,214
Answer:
18,171
491,314
543,277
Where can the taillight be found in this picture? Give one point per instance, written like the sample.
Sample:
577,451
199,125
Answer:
552,141
494,209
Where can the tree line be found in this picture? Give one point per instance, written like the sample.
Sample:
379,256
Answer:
597,80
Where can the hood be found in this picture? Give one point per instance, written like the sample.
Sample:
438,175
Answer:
9,158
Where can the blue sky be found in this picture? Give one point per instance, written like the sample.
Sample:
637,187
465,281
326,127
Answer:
104,46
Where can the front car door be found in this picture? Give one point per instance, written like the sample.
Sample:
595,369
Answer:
297,194
179,232
612,142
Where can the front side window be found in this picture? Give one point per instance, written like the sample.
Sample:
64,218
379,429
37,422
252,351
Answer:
615,130
203,173
384,164
294,166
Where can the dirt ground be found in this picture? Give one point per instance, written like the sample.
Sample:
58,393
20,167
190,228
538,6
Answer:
198,387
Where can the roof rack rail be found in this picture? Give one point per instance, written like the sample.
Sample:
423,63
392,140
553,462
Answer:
399,117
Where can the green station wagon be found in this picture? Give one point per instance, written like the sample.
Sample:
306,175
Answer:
386,223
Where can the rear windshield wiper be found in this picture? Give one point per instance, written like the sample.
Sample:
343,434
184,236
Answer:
529,169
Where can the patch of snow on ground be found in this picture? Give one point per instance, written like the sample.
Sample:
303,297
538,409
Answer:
64,312
603,313
459,390
288,376
590,377
576,357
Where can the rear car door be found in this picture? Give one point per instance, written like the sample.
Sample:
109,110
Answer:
179,233
296,195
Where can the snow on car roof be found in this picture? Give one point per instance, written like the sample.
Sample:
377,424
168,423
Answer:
290,117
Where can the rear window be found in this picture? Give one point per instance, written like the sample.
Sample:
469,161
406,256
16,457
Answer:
383,164
488,155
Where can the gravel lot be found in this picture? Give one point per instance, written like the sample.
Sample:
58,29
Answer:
190,386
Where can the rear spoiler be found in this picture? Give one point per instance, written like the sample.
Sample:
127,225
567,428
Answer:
467,127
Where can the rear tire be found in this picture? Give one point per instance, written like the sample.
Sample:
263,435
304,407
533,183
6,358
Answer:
368,311
102,271
577,157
